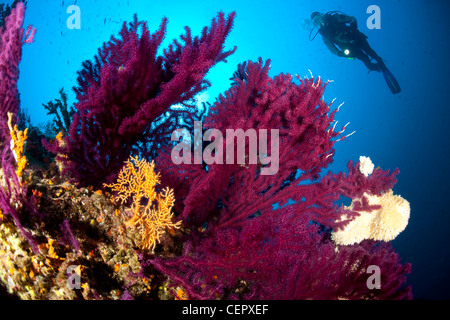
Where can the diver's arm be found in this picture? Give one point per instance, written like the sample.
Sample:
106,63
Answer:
332,47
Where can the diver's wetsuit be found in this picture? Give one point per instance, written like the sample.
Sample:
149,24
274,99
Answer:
340,32
342,37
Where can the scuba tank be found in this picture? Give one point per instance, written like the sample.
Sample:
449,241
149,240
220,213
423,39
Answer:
329,17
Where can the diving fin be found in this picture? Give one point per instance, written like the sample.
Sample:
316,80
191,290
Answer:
390,80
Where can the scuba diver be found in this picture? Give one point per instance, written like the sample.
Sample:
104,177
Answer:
341,36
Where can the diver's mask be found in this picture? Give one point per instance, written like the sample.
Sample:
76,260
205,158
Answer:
318,21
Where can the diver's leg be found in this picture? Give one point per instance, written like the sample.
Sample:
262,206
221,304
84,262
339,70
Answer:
361,41
357,53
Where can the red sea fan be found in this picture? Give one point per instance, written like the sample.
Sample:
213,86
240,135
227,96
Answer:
11,41
127,88
283,256
68,237
13,197
306,139
238,246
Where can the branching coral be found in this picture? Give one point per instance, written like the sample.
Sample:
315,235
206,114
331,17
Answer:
11,41
63,115
384,223
380,218
127,88
233,243
307,132
238,245
282,256
18,141
152,211
5,10
13,197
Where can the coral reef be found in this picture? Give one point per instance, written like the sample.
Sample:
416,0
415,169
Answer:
281,256
11,41
137,180
5,10
62,114
127,88
238,245
80,228
384,224
18,142
114,217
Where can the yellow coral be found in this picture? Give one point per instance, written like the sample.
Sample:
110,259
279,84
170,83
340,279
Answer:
62,144
384,224
18,145
60,139
181,294
152,211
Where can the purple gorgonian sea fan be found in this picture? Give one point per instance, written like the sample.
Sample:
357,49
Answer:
238,246
12,38
14,201
128,88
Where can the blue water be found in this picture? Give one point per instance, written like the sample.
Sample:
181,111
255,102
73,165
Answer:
408,130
